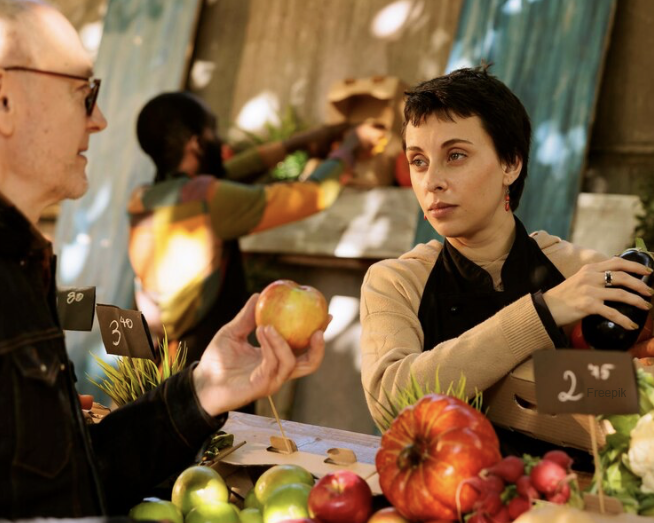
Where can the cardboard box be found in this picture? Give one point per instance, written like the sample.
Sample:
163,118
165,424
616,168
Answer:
378,100
512,404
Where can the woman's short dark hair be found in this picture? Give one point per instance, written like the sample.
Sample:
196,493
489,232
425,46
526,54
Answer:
474,92
166,123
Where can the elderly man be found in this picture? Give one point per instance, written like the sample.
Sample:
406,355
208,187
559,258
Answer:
51,464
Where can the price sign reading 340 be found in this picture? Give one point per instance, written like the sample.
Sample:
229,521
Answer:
585,382
115,324
124,332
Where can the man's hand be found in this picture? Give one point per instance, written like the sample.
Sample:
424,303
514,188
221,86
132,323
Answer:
232,372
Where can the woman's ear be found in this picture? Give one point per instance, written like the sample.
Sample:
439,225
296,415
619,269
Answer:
512,171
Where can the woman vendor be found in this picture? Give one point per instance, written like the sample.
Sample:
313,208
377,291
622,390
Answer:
482,301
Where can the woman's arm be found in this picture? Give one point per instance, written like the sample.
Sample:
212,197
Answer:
392,337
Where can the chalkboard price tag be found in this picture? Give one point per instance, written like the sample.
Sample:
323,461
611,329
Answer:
76,308
585,382
125,332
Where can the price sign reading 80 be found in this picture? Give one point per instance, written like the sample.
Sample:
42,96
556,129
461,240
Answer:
73,297
585,382
124,332
76,308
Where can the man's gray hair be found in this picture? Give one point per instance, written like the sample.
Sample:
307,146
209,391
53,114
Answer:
11,9
11,45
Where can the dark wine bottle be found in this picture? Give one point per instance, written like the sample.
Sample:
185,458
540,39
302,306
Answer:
604,334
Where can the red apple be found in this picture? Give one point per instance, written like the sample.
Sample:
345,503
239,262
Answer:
296,311
341,496
387,515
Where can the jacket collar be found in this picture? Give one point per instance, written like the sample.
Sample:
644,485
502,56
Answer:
18,237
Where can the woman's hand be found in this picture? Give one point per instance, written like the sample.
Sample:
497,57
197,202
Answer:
585,292
232,372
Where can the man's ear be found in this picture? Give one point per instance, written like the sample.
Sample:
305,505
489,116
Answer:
512,171
6,108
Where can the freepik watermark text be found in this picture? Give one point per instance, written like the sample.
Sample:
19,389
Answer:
606,393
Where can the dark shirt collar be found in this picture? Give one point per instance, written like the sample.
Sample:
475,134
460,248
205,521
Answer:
18,237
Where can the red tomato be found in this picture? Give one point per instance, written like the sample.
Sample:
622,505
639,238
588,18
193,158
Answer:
577,338
86,401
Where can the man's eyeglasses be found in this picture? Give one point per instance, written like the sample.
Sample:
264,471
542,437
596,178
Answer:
94,84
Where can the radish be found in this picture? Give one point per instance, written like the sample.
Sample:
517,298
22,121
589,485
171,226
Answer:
489,503
561,496
547,476
509,469
525,489
560,457
518,506
478,517
493,483
502,516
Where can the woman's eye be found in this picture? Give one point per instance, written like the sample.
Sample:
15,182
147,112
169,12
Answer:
456,156
418,162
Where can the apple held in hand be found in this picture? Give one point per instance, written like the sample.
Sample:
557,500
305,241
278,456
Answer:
296,311
341,496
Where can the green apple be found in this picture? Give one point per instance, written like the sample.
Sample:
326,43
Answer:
198,486
251,515
287,502
217,512
156,510
251,500
279,475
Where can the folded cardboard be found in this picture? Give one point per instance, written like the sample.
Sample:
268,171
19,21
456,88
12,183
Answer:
512,404
378,100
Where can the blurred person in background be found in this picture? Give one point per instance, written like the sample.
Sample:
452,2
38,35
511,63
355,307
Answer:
52,465
185,226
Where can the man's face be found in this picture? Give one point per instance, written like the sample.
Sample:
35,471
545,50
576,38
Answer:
52,129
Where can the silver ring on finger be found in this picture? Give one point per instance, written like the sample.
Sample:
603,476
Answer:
608,279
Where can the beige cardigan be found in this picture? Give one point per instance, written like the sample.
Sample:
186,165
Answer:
392,338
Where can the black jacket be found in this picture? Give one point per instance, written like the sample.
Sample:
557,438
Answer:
51,463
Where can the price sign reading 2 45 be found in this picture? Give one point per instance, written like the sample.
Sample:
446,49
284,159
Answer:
585,382
124,332
126,323
600,372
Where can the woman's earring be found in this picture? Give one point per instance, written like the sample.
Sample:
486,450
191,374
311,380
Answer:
424,216
507,201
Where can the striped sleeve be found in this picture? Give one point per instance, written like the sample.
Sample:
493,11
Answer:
237,209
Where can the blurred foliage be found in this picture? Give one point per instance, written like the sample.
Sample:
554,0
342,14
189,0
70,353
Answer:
414,391
289,124
134,377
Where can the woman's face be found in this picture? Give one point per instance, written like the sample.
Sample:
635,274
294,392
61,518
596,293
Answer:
458,177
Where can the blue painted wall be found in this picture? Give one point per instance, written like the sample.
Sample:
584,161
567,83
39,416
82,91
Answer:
550,53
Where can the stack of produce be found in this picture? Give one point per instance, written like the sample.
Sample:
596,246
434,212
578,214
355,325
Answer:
627,459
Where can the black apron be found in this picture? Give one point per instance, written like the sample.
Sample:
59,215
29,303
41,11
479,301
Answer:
459,295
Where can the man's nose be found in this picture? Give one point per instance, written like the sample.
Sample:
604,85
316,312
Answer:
97,121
